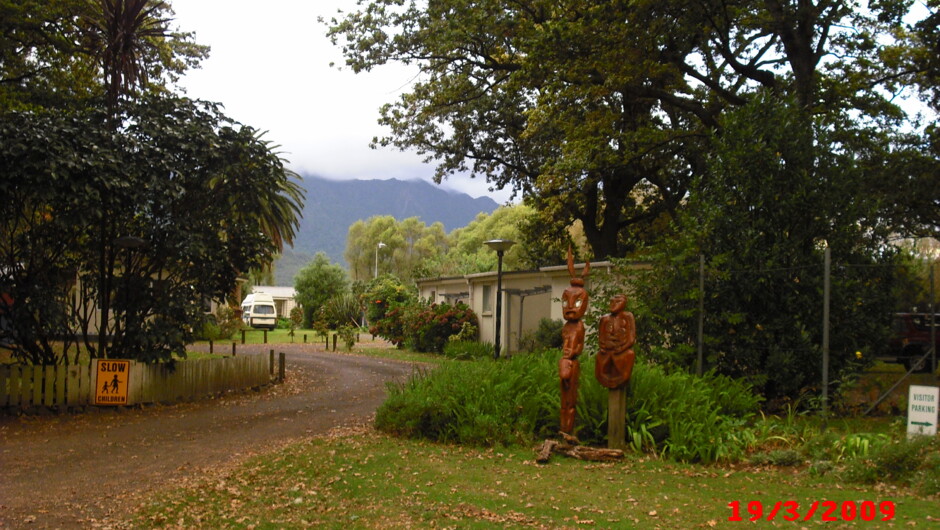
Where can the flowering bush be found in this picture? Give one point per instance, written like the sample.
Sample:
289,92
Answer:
386,300
391,326
429,327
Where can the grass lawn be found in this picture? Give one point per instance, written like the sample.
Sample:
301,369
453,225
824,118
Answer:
359,478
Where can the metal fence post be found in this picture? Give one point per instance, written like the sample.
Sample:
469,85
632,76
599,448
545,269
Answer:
933,324
825,337
701,314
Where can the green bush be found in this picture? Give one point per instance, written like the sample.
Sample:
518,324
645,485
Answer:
482,403
384,294
912,462
428,328
689,418
220,326
777,457
297,316
517,401
339,311
467,350
391,326
207,329
284,323
546,335
348,334
469,332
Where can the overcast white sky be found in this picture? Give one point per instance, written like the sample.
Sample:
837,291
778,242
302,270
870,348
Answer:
270,67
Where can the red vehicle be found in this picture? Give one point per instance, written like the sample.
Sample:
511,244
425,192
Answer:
911,340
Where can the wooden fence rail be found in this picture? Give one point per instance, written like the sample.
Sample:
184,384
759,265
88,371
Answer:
64,387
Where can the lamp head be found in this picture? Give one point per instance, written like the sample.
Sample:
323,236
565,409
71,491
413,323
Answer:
499,245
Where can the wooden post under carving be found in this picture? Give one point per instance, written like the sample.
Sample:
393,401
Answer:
614,366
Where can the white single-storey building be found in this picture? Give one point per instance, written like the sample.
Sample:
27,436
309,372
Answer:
528,296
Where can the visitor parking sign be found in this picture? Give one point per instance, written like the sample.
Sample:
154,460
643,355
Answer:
111,381
922,404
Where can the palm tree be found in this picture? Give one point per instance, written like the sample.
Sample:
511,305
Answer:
274,200
126,36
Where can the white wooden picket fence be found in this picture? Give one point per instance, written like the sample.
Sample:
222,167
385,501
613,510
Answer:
66,387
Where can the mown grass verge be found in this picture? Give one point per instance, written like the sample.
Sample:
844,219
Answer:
364,479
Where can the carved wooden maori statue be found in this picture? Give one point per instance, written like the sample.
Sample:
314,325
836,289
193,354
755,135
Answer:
616,336
574,303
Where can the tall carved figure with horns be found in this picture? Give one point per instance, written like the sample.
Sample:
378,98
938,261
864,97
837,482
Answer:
574,303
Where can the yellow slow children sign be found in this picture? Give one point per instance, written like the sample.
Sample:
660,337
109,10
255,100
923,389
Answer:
111,381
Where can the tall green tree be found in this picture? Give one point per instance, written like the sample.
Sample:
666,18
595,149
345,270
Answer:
468,254
170,188
54,54
50,168
177,246
601,112
382,244
517,93
317,282
762,223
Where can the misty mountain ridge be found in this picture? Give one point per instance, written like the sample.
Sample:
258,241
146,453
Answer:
331,206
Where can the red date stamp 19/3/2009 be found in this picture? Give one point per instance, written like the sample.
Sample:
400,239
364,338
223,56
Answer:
824,510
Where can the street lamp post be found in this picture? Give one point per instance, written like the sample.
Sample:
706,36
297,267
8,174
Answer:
377,247
500,246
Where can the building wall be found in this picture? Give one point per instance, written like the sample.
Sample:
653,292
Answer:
523,305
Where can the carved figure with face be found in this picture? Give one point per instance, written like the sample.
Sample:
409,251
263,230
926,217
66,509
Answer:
616,335
574,304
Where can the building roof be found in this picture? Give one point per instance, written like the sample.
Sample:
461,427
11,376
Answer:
285,293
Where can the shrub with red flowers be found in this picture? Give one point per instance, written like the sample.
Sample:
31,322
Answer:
386,300
391,326
427,327
396,314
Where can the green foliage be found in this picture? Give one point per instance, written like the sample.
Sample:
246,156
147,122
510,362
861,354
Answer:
469,332
318,282
393,247
546,335
764,265
462,350
533,98
386,300
907,462
688,418
228,321
777,457
467,254
383,293
297,316
348,335
169,182
482,402
428,328
219,326
51,52
339,311
677,415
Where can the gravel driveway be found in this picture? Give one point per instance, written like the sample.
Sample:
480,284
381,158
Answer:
89,470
